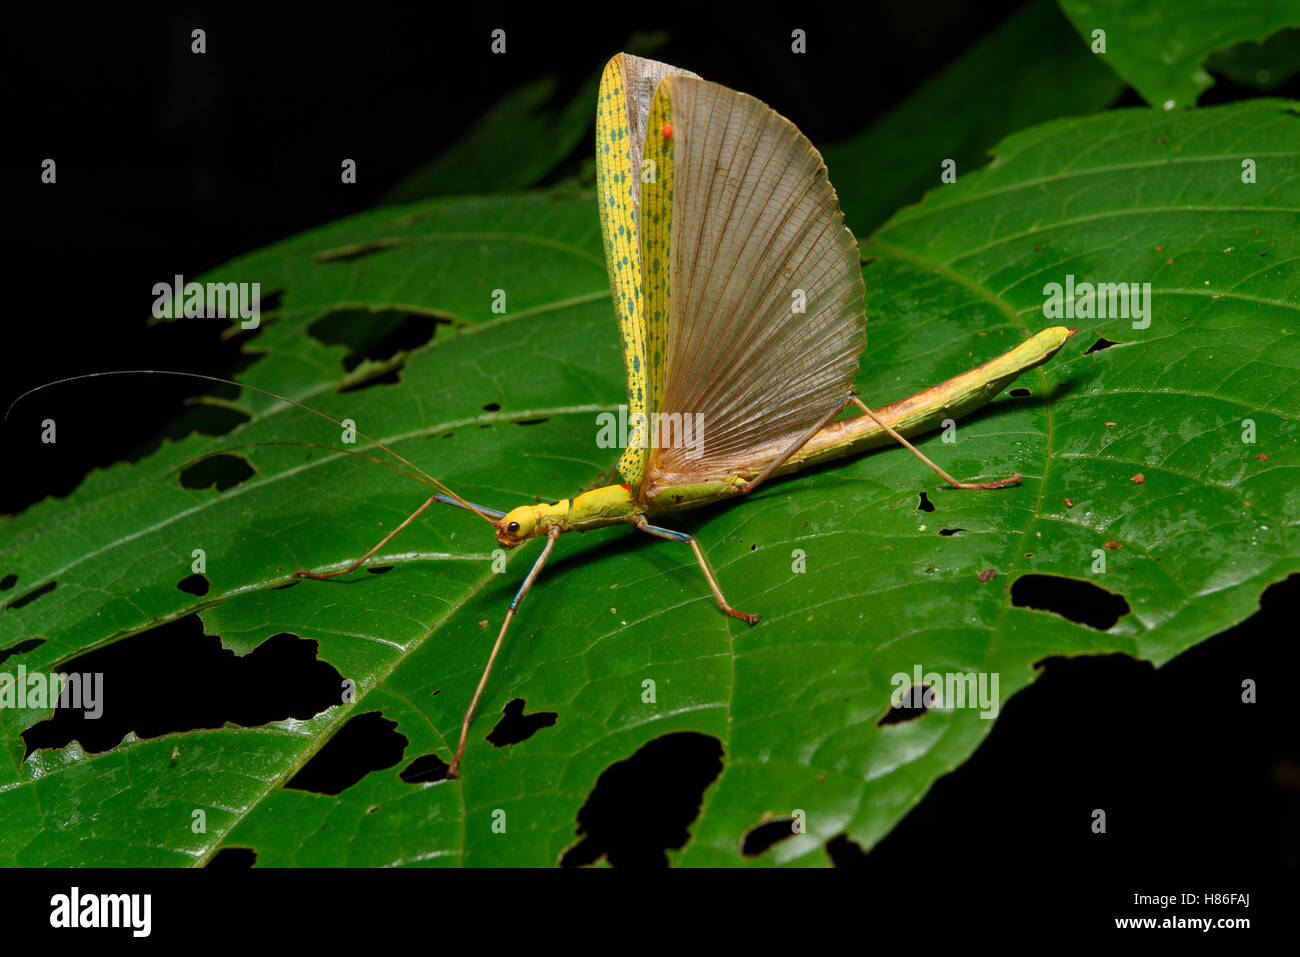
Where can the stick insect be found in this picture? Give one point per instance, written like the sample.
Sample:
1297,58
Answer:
739,298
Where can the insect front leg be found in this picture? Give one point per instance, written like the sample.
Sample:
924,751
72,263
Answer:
670,535
551,536
303,573
603,479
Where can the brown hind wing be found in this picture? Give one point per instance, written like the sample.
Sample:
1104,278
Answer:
763,288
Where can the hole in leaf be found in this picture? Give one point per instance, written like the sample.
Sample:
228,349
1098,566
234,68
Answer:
492,407
123,418
222,471
1020,393
8,582
537,421
374,336
194,584
368,742
1101,343
175,678
348,254
270,301
31,596
424,769
949,532
912,707
517,726
1152,737
845,852
380,569
760,838
1079,601
660,787
925,505
21,648
233,858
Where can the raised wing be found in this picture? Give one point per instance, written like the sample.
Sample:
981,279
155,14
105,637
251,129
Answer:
757,274
627,88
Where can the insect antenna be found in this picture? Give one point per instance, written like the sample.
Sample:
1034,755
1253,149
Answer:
423,480
451,498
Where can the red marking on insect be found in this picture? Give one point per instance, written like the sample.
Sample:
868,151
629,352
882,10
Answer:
624,486
668,131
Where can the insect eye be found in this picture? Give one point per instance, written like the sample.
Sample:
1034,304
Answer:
512,527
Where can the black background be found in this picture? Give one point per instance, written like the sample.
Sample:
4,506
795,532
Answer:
173,163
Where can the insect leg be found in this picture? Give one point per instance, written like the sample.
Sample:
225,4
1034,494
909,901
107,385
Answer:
672,536
999,483
795,446
802,440
303,573
551,536
604,479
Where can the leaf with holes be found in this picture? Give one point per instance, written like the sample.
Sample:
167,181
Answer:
1160,476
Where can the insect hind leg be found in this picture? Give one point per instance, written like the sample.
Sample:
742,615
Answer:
803,440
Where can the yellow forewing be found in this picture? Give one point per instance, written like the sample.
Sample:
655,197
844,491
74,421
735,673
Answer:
626,90
656,241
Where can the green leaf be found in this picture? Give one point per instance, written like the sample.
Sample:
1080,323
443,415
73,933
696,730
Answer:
487,159
503,409
1031,69
1159,49
1264,65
